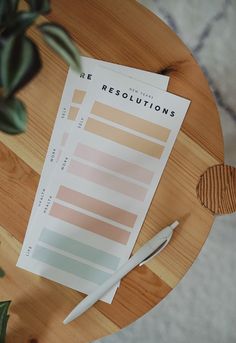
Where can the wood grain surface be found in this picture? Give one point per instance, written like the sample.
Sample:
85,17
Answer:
122,32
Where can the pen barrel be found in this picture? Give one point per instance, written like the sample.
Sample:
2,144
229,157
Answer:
142,254
92,298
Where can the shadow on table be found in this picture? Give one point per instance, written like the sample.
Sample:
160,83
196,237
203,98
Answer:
33,313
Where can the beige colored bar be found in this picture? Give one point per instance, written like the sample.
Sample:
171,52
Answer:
73,113
78,96
124,138
131,121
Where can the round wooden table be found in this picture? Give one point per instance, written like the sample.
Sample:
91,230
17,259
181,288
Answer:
122,32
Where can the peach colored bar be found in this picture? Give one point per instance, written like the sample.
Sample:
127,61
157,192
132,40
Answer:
131,121
89,223
113,163
124,138
73,113
107,180
78,96
97,206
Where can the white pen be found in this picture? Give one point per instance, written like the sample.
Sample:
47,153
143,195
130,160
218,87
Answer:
144,254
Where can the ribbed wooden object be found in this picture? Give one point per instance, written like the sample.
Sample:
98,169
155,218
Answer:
217,189
121,32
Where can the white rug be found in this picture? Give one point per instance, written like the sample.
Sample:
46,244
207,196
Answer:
202,308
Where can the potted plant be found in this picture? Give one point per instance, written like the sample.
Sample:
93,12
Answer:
3,314
3,319
20,58
19,63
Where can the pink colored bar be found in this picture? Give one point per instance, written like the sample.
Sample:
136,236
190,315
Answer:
97,206
107,180
91,224
64,138
58,155
114,163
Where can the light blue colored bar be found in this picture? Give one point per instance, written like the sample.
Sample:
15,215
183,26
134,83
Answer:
76,248
69,265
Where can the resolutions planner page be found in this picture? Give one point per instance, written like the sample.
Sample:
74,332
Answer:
75,89
102,187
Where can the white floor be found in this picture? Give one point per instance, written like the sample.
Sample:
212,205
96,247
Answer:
202,308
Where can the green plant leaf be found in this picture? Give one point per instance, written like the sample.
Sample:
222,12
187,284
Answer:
3,329
2,273
20,62
7,8
0,64
13,116
40,6
4,305
19,23
14,4
60,41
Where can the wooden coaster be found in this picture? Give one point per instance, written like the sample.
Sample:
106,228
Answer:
217,189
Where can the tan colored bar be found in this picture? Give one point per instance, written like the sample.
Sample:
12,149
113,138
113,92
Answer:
78,96
124,138
73,113
130,121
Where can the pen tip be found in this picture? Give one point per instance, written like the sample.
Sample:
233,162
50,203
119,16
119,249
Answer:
174,225
66,321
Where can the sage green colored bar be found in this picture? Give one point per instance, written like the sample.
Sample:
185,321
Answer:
70,265
80,249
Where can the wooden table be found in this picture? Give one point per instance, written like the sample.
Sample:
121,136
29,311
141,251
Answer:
122,32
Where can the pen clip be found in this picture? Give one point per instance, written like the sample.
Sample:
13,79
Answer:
155,252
